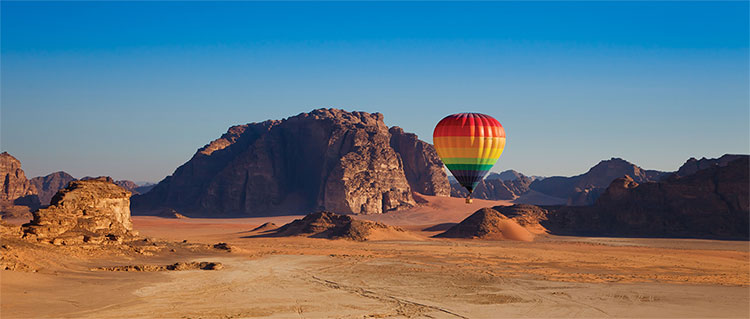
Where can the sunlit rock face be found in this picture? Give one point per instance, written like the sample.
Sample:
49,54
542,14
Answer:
93,210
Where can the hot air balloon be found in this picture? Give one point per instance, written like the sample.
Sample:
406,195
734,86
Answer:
469,144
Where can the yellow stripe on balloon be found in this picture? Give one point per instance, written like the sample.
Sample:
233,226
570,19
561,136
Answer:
469,160
446,147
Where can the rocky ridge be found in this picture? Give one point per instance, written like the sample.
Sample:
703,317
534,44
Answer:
495,188
710,203
584,189
693,165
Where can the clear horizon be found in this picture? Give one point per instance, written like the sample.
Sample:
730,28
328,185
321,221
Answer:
132,90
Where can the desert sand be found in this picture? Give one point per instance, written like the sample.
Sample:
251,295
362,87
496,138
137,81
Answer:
411,276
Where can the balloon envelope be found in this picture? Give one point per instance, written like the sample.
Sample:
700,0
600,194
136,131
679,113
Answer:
469,144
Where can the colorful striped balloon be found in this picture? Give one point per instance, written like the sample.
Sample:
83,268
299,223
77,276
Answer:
469,144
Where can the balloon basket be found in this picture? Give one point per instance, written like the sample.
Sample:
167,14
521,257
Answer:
469,200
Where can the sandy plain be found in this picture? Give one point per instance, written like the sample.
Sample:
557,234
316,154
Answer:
412,276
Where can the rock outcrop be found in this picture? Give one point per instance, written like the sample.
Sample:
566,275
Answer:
488,223
585,188
15,189
332,226
327,159
422,165
48,186
711,203
90,211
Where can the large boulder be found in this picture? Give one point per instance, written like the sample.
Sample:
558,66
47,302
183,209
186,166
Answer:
327,159
93,211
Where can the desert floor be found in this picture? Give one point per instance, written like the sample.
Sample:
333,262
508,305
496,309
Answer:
412,276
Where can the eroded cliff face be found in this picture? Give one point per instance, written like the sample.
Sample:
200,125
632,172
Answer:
327,159
90,211
422,165
710,203
15,189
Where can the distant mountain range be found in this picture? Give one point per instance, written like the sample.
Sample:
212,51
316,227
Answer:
351,162
579,190
19,192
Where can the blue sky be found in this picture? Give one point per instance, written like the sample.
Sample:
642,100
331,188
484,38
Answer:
132,89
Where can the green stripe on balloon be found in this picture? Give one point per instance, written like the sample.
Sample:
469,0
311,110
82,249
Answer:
469,167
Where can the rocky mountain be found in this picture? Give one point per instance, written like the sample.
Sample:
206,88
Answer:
710,203
48,186
128,185
693,165
494,189
508,175
87,211
585,188
15,189
327,159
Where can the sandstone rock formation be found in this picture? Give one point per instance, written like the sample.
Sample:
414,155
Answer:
326,159
48,186
15,189
422,165
91,211
585,188
711,203
488,223
332,226
192,265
